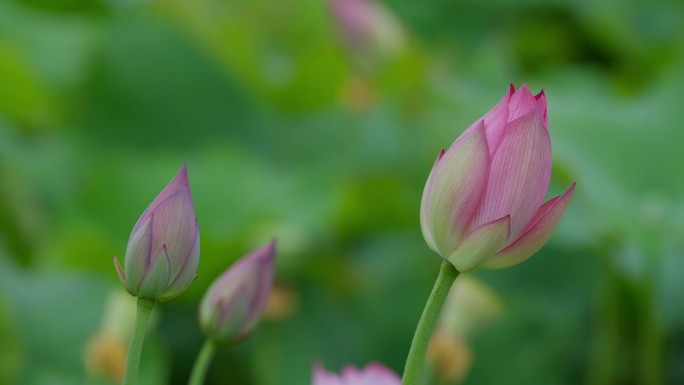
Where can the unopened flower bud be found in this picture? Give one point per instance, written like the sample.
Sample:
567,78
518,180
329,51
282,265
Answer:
234,303
483,204
163,250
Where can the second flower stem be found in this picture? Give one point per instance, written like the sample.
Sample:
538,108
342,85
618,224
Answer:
416,357
142,315
199,371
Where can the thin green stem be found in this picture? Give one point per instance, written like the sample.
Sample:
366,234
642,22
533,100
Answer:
199,371
416,357
142,315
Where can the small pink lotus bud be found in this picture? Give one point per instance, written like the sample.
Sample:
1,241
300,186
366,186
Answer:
372,374
367,27
163,251
233,305
483,202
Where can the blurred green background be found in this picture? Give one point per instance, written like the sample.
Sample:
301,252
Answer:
298,126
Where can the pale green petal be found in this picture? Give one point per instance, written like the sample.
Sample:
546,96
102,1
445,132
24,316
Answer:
156,277
481,244
453,191
138,254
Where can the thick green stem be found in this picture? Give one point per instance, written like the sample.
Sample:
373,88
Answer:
142,315
416,357
199,371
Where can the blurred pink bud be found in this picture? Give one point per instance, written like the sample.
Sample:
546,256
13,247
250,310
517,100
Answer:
163,250
233,305
367,27
372,374
483,202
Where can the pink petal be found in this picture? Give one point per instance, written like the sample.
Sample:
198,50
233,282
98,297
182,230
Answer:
382,373
174,225
519,174
323,377
481,244
535,234
372,374
233,304
494,122
233,315
178,181
541,101
453,191
186,275
522,103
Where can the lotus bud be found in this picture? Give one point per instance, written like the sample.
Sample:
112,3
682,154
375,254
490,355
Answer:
483,202
233,305
367,27
372,374
163,250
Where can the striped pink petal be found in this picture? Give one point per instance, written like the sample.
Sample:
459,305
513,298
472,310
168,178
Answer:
541,100
179,181
453,191
174,226
522,103
494,122
233,304
534,235
519,173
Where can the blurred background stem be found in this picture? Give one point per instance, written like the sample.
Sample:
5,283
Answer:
199,371
628,345
650,341
142,315
416,357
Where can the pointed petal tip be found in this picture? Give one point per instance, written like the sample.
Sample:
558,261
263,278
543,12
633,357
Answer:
318,368
511,89
525,89
182,173
264,254
535,234
540,95
270,249
120,271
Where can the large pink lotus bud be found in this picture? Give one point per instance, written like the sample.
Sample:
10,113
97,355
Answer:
163,250
372,374
233,305
483,202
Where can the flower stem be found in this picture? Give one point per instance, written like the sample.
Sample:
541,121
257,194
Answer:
142,315
416,357
199,371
